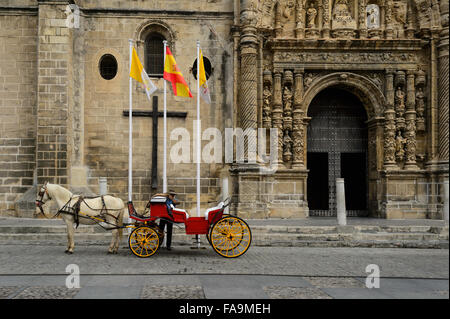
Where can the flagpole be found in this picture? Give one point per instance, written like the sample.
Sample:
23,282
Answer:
165,128
130,137
198,129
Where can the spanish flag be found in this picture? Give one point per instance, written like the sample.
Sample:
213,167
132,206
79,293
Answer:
173,74
138,73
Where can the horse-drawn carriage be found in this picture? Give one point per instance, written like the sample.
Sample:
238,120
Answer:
229,235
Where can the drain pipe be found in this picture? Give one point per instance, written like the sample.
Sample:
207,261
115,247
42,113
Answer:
446,206
340,201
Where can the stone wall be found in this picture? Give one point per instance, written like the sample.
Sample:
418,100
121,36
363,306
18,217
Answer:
18,59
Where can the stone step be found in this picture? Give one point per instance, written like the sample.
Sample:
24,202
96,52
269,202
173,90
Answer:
413,240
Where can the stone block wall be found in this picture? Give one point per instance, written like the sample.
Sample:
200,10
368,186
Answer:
54,49
18,56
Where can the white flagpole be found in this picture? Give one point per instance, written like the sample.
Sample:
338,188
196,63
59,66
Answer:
130,137
165,128
198,129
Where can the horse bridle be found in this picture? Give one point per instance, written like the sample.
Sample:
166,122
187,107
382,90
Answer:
40,202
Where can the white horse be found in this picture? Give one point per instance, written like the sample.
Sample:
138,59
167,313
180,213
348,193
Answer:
89,210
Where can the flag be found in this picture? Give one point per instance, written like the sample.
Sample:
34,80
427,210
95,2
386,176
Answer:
204,90
138,73
173,74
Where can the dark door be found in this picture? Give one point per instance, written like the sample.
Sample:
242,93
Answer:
337,147
318,182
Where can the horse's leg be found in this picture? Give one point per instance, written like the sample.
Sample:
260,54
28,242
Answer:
70,232
113,242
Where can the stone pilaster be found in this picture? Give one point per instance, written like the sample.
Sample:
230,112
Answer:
297,118
443,104
389,124
248,105
277,113
54,51
410,119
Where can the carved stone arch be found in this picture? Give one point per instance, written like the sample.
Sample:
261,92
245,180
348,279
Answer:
367,92
155,26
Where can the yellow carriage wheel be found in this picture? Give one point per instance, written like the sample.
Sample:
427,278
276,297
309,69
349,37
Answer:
144,241
230,237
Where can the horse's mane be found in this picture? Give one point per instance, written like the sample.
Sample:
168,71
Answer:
65,190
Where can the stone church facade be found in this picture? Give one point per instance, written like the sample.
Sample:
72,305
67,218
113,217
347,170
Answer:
357,89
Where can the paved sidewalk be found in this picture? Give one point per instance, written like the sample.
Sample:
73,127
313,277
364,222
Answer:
219,287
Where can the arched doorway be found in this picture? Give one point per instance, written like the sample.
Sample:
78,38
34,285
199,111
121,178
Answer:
337,147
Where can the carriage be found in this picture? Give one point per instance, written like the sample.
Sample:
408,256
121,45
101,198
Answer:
229,235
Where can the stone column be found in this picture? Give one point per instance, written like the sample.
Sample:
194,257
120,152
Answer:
326,19
443,104
389,124
388,19
362,26
340,202
410,119
277,112
298,125
248,105
54,53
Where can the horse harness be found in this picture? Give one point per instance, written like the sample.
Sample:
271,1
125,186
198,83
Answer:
75,210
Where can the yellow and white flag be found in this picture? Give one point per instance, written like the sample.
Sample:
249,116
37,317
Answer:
204,90
138,73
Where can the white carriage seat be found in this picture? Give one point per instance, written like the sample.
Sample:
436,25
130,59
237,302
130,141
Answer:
179,210
213,209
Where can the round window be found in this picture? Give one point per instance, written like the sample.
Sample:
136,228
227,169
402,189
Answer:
108,66
208,68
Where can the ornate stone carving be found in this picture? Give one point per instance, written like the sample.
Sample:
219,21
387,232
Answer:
267,99
399,23
389,124
410,130
411,143
389,139
249,12
341,57
373,16
266,14
287,147
400,108
311,16
285,18
277,113
343,23
400,142
420,109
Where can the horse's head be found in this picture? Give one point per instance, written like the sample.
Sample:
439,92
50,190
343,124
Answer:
42,198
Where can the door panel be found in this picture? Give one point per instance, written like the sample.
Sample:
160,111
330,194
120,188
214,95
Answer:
337,129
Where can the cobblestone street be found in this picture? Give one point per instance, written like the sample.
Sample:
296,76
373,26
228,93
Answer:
32,271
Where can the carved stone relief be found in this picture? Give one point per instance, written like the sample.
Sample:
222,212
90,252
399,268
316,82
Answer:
373,16
267,99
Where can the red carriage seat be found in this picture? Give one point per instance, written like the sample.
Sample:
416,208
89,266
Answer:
158,209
